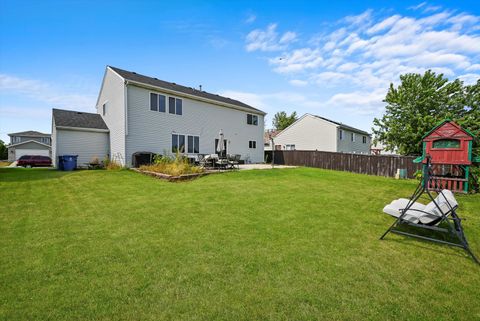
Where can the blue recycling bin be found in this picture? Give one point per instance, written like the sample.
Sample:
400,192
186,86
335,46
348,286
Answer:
67,162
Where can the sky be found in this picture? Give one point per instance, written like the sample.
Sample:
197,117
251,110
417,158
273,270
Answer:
335,59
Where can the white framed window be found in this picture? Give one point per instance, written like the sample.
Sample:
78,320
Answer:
16,139
157,102
353,137
45,140
175,106
364,139
252,144
341,134
193,144
178,143
252,119
290,147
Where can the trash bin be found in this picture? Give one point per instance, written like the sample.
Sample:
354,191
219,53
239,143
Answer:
60,163
67,162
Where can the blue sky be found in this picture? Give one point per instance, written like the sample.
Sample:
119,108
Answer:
331,58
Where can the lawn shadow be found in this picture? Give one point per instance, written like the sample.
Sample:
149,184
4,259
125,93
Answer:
420,243
30,174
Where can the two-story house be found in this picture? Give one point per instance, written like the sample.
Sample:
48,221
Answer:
311,132
29,143
145,114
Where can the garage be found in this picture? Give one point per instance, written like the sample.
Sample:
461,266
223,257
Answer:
31,147
78,133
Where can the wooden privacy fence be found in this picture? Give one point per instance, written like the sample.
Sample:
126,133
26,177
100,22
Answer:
380,165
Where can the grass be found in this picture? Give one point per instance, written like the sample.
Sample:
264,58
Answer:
291,244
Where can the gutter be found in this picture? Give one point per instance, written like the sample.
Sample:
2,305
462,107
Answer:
82,129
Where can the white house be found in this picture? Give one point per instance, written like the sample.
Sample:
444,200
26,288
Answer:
311,132
28,143
145,114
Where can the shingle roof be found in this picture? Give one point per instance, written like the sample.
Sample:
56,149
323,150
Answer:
70,118
133,76
30,133
344,126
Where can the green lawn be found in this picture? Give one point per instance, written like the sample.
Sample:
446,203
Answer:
296,244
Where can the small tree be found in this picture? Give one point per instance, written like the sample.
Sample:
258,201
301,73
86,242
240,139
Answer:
281,120
3,150
419,103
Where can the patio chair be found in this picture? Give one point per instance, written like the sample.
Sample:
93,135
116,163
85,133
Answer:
234,161
439,215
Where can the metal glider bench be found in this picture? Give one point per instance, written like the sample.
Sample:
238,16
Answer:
439,215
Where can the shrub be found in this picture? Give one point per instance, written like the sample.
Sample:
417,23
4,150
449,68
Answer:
174,166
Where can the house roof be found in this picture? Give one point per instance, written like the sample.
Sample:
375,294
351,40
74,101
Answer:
70,118
30,133
270,133
353,129
133,76
29,141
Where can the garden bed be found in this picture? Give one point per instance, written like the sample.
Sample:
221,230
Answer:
171,178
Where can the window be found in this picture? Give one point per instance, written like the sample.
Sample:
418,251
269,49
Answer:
353,137
157,102
161,103
45,140
364,139
446,143
153,102
171,105
252,144
175,106
104,109
178,143
193,144
178,106
290,147
16,139
341,134
252,119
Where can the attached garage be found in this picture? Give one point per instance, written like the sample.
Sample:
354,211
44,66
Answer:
79,133
31,147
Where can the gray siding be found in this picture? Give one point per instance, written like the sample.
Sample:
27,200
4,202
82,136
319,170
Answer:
152,130
113,94
346,145
12,155
85,144
309,133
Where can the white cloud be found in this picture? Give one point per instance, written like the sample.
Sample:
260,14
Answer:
298,82
250,18
269,39
469,79
357,59
297,60
388,22
418,6
46,93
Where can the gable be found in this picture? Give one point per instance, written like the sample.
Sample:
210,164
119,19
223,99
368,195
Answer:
448,130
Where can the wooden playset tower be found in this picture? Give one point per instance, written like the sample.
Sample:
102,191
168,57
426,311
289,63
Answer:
449,147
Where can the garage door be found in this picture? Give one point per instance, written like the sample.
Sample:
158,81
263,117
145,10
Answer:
20,152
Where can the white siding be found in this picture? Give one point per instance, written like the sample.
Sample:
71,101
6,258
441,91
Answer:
85,144
347,146
54,143
112,93
152,130
309,133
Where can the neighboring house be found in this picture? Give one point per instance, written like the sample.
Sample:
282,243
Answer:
312,132
379,149
79,133
144,114
267,138
29,143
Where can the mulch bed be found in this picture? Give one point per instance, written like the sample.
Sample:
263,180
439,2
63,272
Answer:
180,178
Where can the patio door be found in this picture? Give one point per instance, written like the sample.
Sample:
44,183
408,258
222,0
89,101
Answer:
224,153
